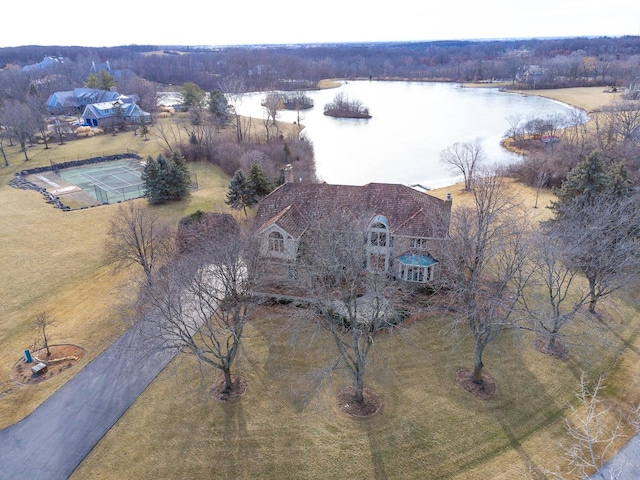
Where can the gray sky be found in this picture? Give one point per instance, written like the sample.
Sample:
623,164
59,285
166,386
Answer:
190,22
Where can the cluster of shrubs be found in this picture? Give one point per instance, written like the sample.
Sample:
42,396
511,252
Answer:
87,131
165,112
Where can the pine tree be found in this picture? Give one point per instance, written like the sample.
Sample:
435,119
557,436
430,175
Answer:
584,182
240,194
589,181
165,179
259,180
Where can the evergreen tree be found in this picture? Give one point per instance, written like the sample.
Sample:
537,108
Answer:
589,181
585,181
219,108
192,94
259,180
241,194
165,179
103,81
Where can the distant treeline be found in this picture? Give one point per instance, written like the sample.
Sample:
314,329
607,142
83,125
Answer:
530,63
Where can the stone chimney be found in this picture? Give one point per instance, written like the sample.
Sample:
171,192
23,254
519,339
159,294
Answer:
288,173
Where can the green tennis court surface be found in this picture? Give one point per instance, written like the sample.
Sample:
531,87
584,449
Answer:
108,182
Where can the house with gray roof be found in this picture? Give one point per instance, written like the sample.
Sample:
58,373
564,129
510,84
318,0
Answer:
123,108
405,226
75,101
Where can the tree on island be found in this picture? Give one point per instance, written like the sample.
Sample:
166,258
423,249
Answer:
342,106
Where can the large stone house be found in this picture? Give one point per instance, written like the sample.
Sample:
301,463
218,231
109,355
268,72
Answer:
405,226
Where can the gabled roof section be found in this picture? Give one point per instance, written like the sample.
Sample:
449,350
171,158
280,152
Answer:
291,220
409,212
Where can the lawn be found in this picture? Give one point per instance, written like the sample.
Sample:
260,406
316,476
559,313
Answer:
288,426
283,427
52,261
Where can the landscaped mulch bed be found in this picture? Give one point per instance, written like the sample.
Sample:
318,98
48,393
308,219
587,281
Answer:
62,358
239,387
370,406
484,390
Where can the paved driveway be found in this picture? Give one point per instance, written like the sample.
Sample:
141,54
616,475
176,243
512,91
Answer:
52,441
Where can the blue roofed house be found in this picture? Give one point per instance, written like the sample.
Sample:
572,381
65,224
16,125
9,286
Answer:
44,64
405,226
75,101
124,108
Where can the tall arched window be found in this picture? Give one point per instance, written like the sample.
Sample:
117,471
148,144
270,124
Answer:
378,245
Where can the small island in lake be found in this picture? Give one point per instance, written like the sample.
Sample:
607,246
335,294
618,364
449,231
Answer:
342,107
287,101
297,101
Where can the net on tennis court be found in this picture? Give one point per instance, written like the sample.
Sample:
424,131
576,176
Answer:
108,182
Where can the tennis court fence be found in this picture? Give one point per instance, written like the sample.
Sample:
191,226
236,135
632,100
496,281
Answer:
119,194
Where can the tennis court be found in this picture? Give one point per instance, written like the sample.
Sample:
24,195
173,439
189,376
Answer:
108,182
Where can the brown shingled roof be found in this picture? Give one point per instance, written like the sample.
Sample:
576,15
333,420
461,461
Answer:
408,211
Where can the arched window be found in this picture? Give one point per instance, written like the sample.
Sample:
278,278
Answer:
276,242
379,245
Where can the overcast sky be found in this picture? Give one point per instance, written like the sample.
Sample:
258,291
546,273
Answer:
190,22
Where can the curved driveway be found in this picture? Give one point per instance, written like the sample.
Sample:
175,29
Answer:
52,441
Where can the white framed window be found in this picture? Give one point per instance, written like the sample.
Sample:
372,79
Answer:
419,243
276,242
378,235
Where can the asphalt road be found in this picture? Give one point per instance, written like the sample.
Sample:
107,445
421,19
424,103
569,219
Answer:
625,465
52,441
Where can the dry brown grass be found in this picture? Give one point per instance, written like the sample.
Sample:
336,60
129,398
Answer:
52,261
589,99
282,428
428,426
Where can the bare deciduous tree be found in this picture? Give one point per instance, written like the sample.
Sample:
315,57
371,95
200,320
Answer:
201,302
138,236
464,158
43,322
351,298
483,264
593,431
234,89
562,299
18,120
602,242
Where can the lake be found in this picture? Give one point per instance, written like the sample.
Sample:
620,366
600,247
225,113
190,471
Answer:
412,123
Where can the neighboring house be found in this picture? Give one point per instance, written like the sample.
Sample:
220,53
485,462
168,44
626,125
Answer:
116,74
44,64
405,226
123,108
75,101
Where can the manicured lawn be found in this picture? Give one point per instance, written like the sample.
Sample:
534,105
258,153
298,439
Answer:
52,261
287,426
284,427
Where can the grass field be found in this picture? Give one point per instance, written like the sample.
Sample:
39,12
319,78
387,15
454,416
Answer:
52,261
284,428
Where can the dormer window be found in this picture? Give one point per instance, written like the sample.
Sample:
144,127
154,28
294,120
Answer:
276,242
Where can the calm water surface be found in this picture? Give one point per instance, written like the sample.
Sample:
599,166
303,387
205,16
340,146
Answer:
412,123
